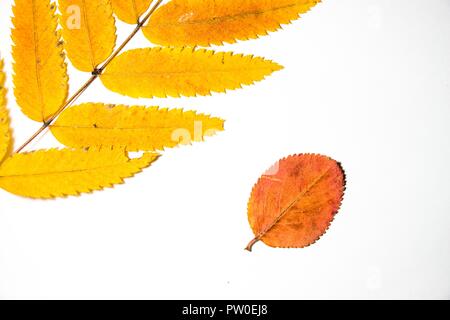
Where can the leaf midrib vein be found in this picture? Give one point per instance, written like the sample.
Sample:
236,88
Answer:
131,74
36,58
62,172
88,34
112,128
218,19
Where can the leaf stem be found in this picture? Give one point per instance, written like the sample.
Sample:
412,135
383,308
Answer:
95,74
251,244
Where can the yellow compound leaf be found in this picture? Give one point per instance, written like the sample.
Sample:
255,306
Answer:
136,128
40,76
58,173
175,72
206,22
130,11
89,32
5,131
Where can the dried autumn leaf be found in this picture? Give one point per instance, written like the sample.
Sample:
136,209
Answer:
58,173
130,11
5,131
206,22
136,128
89,32
293,204
40,79
175,72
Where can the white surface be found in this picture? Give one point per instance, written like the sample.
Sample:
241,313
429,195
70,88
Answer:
366,82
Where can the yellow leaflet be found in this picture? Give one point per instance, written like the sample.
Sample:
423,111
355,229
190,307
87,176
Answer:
5,132
130,11
89,32
206,22
136,128
58,173
40,77
162,72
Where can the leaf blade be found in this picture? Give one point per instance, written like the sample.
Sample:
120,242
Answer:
5,130
47,174
40,75
208,22
136,128
130,11
293,204
175,72
89,32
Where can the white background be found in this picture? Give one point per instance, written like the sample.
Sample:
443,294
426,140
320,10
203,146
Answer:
366,82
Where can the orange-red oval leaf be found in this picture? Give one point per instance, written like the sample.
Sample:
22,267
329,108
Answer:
293,204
